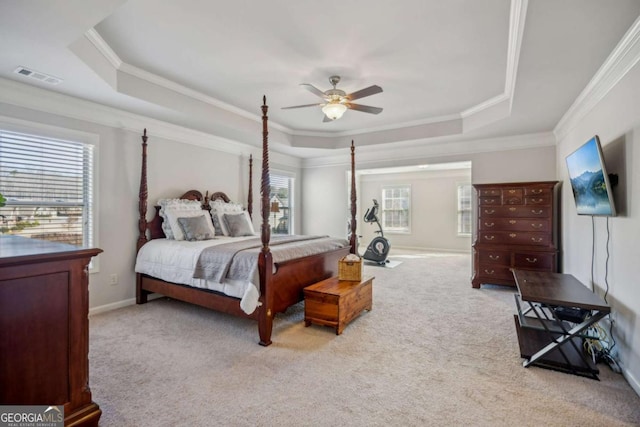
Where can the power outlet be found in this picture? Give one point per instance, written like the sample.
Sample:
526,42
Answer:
113,279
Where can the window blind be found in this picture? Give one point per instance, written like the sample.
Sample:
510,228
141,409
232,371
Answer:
47,184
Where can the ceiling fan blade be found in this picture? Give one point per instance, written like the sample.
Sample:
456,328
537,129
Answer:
368,91
303,106
311,88
364,108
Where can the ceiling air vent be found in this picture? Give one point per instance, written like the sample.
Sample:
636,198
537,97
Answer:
36,75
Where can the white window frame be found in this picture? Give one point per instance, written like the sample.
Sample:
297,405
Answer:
463,211
291,178
383,210
46,131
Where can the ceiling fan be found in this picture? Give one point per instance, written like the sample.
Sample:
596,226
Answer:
338,101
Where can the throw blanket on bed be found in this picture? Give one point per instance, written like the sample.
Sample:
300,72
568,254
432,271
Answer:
239,260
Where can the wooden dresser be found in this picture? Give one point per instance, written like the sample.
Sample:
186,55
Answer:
44,328
517,228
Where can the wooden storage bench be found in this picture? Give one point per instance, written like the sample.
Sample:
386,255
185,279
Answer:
335,302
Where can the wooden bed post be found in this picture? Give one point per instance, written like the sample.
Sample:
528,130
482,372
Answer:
142,196
250,195
141,295
265,260
353,239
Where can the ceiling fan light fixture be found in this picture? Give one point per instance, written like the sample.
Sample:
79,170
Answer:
334,110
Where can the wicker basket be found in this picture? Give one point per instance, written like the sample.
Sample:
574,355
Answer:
350,270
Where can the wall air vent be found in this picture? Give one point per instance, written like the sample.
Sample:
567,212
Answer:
23,71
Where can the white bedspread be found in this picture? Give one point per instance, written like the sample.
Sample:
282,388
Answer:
175,261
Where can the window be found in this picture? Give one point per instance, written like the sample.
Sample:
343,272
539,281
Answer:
281,204
464,209
396,202
48,187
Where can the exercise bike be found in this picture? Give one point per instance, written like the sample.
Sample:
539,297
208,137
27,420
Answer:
378,249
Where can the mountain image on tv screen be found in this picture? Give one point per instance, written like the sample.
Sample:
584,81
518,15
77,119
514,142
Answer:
589,182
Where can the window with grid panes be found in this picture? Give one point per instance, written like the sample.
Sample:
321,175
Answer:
464,209
281,203
396,204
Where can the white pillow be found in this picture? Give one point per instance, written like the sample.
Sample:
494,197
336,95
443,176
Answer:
219,208
176,204
177,231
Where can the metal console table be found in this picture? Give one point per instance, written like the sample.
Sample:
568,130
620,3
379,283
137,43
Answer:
545,337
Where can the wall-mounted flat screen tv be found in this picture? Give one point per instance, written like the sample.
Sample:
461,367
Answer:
589,180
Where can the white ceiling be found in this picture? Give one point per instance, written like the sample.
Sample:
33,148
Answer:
456,69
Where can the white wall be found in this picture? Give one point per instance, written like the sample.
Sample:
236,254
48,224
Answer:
173,168
434,206
616,120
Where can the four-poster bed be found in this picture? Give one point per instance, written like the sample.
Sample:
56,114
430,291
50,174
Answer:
281,280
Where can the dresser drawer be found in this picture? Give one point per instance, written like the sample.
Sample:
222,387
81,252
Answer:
495,271
534,191
520,224
537,200
490,201
512,196
493,257
488,192
514,212
515,238
534,260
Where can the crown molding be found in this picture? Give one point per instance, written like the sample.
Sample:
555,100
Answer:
418,150
104,49
119,65
38,99
623,58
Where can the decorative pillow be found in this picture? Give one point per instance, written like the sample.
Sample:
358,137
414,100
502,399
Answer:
219,208
176,230
216,224
239,224
196,228
179,205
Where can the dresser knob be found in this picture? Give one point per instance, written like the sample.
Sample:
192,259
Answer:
489,224
489,272
532,260
489,211
512,221
538,225
536,212
494,257
489,237
537,239
512,235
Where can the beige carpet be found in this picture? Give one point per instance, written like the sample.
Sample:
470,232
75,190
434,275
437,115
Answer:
433,351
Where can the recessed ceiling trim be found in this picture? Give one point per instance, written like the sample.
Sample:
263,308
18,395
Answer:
102,47
419,150
516,30
428,121
623,58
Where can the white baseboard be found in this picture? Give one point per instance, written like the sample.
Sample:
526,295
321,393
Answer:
633,381
112,306
119,304
414,248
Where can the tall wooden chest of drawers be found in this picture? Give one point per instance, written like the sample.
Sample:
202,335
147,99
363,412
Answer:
517,228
